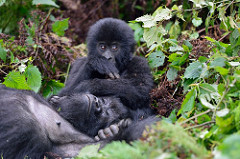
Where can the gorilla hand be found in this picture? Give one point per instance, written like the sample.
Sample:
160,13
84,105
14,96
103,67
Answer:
104,67
113,130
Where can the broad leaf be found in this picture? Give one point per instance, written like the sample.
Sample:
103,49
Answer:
172,74
188,102
156,59
33,76
60,26
16,80
3,53
194,70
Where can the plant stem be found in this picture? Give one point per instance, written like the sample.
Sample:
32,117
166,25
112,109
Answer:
195,116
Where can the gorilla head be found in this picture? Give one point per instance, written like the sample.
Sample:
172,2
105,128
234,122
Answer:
112,39
88,113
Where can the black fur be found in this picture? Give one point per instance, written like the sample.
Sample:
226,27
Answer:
88,74
30,127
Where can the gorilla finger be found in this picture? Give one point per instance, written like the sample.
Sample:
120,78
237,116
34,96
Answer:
120,122
116,75
101,134
108,132
111,76
54,99
96,138
114,129
127,122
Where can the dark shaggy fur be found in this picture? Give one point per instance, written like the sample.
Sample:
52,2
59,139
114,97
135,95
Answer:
88,74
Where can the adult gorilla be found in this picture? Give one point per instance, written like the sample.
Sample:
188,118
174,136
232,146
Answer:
110,69
30,127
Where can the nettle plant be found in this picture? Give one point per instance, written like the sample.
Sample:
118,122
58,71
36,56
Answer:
211,106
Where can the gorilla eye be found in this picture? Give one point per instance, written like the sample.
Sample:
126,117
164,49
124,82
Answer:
102,46
98,107
114,47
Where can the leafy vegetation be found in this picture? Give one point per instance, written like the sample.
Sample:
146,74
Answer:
193,47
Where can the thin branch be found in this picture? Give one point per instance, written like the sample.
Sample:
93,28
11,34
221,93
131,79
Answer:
195,116
200,125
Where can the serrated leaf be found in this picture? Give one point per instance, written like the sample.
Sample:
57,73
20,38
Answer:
189,101
156,59
162,14
153,35
197,21
33,76
219,61
60,26
45,2
148,21
194,70
3,53
172,74
16,80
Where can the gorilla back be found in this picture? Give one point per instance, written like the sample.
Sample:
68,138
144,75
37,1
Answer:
29,127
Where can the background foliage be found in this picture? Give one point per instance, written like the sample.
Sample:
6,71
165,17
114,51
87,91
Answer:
193,48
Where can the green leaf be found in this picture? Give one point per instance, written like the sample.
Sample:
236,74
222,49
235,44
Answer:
90,151
219,61
188,44
162,14
2,2
221,70
194,70
156,59
175,30
203,59
194,35
51,88
33,76
189,101
148,21
175,48
199,3
16,80
153,35
3,53
237,117
229,148
172,74
45,2
60,26
197,21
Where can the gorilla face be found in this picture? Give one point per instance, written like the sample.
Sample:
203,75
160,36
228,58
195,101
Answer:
113,39
109,50
89,113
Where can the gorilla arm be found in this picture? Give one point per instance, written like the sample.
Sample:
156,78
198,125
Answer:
132,87
86,69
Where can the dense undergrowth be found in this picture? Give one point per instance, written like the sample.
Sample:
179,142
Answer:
193,48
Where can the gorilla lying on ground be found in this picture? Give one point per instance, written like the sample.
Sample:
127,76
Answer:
30,127
110,69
